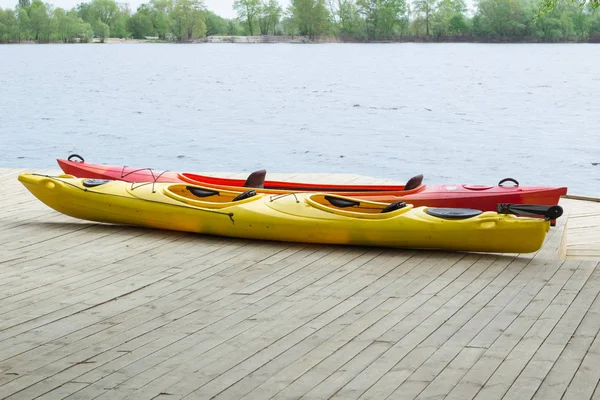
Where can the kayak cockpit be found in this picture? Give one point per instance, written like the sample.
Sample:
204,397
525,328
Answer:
256,180
208,197
356,208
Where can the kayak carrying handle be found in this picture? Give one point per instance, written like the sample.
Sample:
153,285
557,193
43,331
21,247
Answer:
75,156
548,212
508,180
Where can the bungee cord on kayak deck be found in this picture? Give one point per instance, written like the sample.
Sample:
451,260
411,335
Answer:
277,197
154,178
133,187
124,174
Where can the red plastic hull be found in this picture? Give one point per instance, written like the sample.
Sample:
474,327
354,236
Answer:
482,197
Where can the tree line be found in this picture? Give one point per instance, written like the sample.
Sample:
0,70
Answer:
351,20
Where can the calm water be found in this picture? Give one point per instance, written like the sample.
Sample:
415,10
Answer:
460,113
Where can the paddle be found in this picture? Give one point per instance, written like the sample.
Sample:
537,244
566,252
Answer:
548,212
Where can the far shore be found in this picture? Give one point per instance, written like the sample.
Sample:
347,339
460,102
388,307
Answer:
328,39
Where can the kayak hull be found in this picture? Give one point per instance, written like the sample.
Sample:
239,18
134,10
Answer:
482,197
303,217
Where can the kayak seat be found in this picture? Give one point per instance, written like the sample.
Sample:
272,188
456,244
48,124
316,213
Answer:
414,182
453,213
198,192
256,179
94,182
342,203
393,207
245,195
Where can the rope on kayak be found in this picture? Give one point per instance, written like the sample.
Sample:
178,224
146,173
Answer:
273,198
154,178
133,187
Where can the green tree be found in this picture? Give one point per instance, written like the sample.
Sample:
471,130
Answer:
449,18
24,24
160,14
39,16
382,17
102,30
547,6
566,21
120,24
248,10
9,26
581,23
594,24
349,20
104,10
188,19
215,25
68,25
84,10
310,17
424,10
86,32
140,24
269,16
233,28
503,19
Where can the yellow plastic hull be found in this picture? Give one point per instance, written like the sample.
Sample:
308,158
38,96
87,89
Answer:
301,217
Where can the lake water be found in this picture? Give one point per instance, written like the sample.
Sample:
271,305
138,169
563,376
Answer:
458,113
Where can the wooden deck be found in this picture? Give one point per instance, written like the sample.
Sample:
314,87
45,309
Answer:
582,233
93,311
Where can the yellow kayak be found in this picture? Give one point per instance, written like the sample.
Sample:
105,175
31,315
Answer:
297,217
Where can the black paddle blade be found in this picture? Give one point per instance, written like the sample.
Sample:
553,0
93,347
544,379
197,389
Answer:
256,179
548,212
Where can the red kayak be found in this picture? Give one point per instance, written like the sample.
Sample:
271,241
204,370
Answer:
481,197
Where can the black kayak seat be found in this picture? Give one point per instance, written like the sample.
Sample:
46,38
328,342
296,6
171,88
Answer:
453,213
95,182
414,182
341,203
199,192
